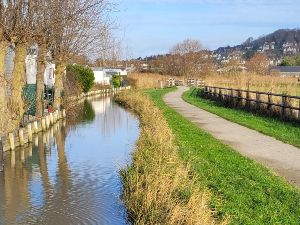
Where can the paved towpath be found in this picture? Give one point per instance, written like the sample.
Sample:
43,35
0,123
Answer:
282,158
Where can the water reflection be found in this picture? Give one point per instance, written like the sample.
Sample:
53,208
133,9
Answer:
69,175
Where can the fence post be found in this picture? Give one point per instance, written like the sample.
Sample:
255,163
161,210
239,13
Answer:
215,93
257,105
270,102
247,99
220,95
240,98
232,97
1,156
283,105
299,111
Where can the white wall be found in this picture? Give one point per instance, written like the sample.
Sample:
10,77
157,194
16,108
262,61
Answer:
100,77
49,75
31,69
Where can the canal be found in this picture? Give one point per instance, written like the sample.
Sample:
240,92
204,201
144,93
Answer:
70,174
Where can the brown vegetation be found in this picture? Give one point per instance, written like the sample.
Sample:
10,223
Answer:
158,187
149,80
255,82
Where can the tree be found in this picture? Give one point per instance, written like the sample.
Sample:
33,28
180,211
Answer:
84,76
188,59
258,64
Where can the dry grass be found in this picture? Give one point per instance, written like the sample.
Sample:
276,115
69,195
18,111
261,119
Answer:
148,80
267,83
158,187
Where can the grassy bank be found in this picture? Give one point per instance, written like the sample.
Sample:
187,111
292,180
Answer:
243,190
284,131
158,187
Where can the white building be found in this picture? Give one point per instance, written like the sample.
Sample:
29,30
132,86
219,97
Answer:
31,69
100,76
49,75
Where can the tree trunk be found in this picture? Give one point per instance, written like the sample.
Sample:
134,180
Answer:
3,85
40,81
59,86
18,80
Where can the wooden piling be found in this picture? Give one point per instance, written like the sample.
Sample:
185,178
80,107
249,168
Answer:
64,113
35,127
51,118
11,138
47,122
21,137
29,132
1,156
43,124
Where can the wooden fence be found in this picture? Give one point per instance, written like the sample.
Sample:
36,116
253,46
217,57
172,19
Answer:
280,105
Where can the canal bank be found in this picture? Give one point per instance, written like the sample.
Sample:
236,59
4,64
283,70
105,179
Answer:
70,173
159,188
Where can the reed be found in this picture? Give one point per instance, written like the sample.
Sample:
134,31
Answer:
267,83
149,80
158,187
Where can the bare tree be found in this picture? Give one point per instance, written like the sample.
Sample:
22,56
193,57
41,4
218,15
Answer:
189,59
79,29
258,64
16,20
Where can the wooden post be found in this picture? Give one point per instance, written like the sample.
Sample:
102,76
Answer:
21,137
47,121
64,113
36,140
257,107
270,102
220,95
51,118
248,104
1,156
35,127
232,97
283,105
29,133
11,138
240,98
299,110
43,124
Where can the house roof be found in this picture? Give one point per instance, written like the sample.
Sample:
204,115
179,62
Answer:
97,68
287,69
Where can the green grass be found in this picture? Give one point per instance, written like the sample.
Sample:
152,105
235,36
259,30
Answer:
287,132
243,190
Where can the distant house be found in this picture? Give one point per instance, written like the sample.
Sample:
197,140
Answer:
100,76
286,70
115,71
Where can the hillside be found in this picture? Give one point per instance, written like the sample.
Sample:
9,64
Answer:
277,44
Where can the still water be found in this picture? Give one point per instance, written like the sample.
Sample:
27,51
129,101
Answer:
70,174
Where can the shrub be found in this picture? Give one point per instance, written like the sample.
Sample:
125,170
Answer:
116,81
84,76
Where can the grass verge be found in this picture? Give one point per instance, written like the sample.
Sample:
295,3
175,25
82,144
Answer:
287,132
158,187
242,190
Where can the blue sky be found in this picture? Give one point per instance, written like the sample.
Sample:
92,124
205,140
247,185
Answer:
154,26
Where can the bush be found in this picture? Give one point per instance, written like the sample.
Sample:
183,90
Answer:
84,75
116,81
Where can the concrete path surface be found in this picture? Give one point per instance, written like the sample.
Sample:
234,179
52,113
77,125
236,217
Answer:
282,158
